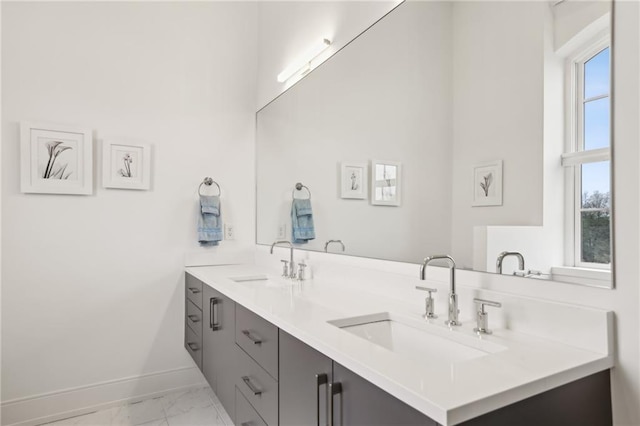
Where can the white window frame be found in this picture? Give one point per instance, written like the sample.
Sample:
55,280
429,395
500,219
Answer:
574,155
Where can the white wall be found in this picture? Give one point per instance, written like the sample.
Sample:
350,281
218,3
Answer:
336,116
287,30
497,116
572,17
92,285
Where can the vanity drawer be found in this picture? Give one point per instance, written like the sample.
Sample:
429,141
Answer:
193,344
260,389
193,290
259,338
193,317
246,415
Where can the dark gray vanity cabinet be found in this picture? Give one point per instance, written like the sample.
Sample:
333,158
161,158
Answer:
257,374
313,388
357,401
305,375
193,319
246,415
218,346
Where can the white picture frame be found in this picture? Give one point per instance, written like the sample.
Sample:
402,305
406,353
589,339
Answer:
126,165
487,184
56,159
353,180
386,183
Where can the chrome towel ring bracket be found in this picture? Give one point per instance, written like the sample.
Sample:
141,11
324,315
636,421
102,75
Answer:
299,187
208,181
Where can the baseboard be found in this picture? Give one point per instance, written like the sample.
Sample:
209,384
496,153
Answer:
39,409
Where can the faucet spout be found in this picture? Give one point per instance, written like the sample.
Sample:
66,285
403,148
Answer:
504,254
453,297
292,268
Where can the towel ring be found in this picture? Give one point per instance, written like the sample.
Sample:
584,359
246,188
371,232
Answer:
299,187
208,181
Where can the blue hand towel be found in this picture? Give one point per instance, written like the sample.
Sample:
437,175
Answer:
302,221
209,222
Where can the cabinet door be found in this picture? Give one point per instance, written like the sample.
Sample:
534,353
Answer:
218,341
303,397
362,403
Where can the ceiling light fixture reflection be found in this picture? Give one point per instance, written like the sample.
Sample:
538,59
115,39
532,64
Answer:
303,65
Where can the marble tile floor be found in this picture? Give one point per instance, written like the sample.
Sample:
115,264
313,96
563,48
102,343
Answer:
196,407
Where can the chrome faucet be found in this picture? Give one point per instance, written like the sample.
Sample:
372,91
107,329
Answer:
453,297
504,254
292,266
326,245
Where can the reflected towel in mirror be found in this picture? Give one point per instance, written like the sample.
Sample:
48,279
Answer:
302,221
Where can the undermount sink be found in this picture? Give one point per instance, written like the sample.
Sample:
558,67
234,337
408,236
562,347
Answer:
246,278
260,279
416,339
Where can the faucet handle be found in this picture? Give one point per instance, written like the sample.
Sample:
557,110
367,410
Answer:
482,317
285,268
428,302
301,267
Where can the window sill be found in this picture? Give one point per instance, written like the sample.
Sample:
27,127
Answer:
599,277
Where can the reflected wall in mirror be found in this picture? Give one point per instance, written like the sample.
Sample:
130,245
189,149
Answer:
440,87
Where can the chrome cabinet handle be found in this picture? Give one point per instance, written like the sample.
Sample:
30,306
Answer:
194,290
193,346
321,379
213,314
255,340
193,318
334,389
251,386
246,424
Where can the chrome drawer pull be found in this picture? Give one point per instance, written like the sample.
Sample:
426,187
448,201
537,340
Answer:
213,314
193,346
194,290
255,340
252,388
334,389
321,379
193,318
246,424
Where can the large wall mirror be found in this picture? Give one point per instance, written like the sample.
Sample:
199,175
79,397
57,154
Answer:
470,128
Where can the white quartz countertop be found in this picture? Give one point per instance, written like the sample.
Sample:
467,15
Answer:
448,392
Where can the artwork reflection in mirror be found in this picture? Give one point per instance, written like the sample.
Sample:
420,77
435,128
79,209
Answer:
353,180
454,85
385,183
487,184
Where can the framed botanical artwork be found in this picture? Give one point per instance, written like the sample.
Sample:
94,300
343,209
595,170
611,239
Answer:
126,165
55,159
487,184
353,180
386,183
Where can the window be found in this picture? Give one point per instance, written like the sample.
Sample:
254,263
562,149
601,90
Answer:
588,158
